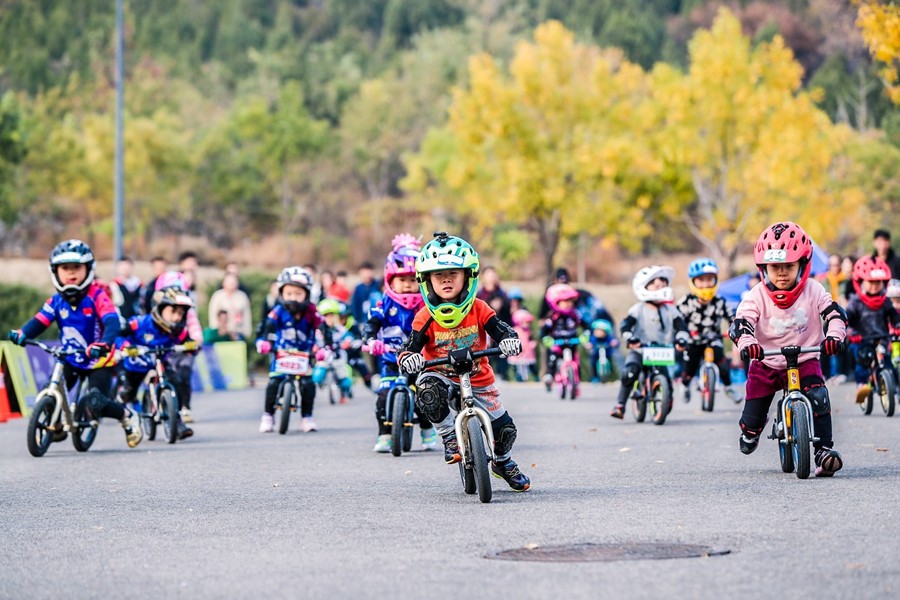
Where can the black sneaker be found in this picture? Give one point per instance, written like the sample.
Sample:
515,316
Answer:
618,412
59,436
451,451
828,462
184,431
510,472
748,443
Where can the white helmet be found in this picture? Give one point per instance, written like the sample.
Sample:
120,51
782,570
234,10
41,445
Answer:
648,274
893,288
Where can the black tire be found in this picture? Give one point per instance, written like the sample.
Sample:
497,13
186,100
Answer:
888,391
398,417
83,435
573,383
800,433
708,396
286,399
148,419
868,403
562,388
168,402
662,398
639,404
468,478
479,460
39,435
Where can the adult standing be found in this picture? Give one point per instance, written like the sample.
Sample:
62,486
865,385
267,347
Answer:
234,302
366,294
316,294
158,265
833,277
127,290
490,291
882,243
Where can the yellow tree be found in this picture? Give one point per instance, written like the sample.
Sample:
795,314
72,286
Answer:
880,25
555,147
754,146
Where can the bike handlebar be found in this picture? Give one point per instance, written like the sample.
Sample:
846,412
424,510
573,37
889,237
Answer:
445,360
792,350
144,350
55,351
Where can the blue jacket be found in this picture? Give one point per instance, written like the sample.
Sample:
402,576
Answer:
143,331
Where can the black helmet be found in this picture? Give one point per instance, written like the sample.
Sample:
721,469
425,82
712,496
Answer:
72,252
170,296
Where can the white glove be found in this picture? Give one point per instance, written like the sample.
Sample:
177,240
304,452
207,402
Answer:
510,346
413,363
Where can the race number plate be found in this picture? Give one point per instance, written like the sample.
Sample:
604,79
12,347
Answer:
661,356
292,363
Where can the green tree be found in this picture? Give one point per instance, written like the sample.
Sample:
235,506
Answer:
12,151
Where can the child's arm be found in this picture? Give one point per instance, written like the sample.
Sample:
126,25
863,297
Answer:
743,329
626,327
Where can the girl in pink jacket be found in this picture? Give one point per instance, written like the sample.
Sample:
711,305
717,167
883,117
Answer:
787,308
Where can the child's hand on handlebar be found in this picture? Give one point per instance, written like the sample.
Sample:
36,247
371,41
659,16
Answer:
510,346
634,344
752,352
412,363
376,347
832,346
17,337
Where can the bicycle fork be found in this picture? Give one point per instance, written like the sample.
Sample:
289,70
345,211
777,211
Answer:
794,395
468,410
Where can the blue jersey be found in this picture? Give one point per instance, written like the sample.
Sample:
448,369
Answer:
392,324
93,320
143,331
292,333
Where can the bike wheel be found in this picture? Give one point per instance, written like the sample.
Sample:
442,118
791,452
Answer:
573,383
148,419
468,478
800,433
563,385
604,370
708,394
479,460
169,403
408,429
286,400
39,434
398,417
662,399
84,435
888,390
639,406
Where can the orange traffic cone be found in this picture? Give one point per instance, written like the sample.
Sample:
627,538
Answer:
5,412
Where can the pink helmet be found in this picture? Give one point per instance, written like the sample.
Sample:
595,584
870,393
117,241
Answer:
784,242
172,279
558,292
402,261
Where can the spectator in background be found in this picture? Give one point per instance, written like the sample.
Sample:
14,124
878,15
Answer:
833,278
126,289
339,290
490,292
846,286
236,304
232,268
158,265
326,280
882,243
316,294
366,294
220,333
268,304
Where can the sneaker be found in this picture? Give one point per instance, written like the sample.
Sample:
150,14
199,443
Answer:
132,427
343,400
548,381
862,392
618,412
184,431
308,425
510,472
267,423
748,443
839,379
686,386
451,450
733,391
429,439
383,445
828,462
186,415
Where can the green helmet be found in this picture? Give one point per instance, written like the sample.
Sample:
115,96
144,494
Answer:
443,253
329,306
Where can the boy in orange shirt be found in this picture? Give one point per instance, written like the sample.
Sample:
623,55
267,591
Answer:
453,319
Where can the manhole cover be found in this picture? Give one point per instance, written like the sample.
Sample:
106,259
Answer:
606,552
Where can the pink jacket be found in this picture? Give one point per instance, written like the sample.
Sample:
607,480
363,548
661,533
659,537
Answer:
799,325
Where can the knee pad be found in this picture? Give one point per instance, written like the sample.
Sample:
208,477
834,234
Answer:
434,393
94,403
504,434
818,397
630,374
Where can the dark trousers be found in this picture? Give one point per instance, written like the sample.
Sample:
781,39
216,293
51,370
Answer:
307,394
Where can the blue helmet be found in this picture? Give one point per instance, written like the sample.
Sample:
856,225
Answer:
515,294
702,266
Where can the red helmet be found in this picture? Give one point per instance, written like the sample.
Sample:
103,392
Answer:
784,242
868,268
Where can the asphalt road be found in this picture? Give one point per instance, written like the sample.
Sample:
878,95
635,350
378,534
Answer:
232,513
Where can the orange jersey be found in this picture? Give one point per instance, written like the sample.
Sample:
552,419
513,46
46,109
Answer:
468,334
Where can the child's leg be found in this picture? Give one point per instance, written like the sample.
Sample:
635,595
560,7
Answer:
129,382
762,385
433,395
724,366
693,354
307,397
504,431
272,393
630,373
380,404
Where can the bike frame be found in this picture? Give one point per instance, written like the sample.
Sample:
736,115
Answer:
56,387
467,411
793,395
400,383
156,381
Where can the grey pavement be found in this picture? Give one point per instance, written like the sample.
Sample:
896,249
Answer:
232,513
